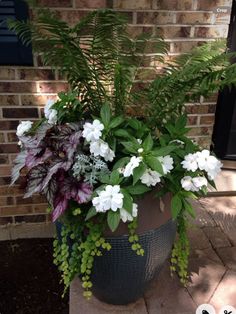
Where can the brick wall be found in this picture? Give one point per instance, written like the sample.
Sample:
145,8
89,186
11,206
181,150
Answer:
24,90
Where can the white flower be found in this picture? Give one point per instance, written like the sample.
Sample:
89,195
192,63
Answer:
140,150
190,162
177,142
187,184
199,182
110,198
139,141
125,216
101,148
23,127
50,114
92,131
167,163
150,177
208,163
133,163
193,184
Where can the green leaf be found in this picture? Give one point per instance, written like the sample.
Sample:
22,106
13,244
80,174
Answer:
163,151
121,163
189,208
105,114
148,143
138,189
122,133
127,201
212,183
181,122
115,122
130,147
105,178
114,177
91,213
113,219
176,206
155,164
138,172
134,123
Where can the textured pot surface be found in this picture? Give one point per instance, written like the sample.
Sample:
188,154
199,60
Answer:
120,276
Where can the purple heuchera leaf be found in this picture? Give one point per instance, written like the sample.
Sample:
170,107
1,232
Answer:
19,164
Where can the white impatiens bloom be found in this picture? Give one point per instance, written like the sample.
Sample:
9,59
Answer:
23,127
167,163
199,182
190,162
133,163
150,177
92,131
187,184
101,148
110,198
208,163
193,184
50,113
125,216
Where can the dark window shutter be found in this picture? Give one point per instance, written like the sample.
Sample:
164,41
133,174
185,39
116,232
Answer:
12,51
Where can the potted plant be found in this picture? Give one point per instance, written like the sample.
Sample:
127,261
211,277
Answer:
112,154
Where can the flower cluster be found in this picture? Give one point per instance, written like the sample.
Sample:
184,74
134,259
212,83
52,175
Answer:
92,133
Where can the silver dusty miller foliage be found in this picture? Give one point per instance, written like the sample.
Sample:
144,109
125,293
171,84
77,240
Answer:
90,168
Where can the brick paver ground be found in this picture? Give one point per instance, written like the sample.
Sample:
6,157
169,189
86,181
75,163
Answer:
212,269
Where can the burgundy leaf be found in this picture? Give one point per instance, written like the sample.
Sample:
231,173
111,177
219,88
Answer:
60,206
33,159
36,177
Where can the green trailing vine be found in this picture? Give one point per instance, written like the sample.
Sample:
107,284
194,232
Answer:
180,251
134,238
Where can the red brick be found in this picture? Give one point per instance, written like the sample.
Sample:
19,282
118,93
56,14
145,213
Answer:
8,148
72,17
9,100
6,220
12,138
55,3
2,138
174,32
7,74
212,4
192,120
53,87
5,180
17,87
91,4
30,200
155,17
4,160
10,190
138,30
5,171
172,5
8,125
200,109
36,74
218,31
20,113
185,46
30,218
200,131
193,18
132,4
207,119
15,210
42,209
6,200
204,142
35,100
